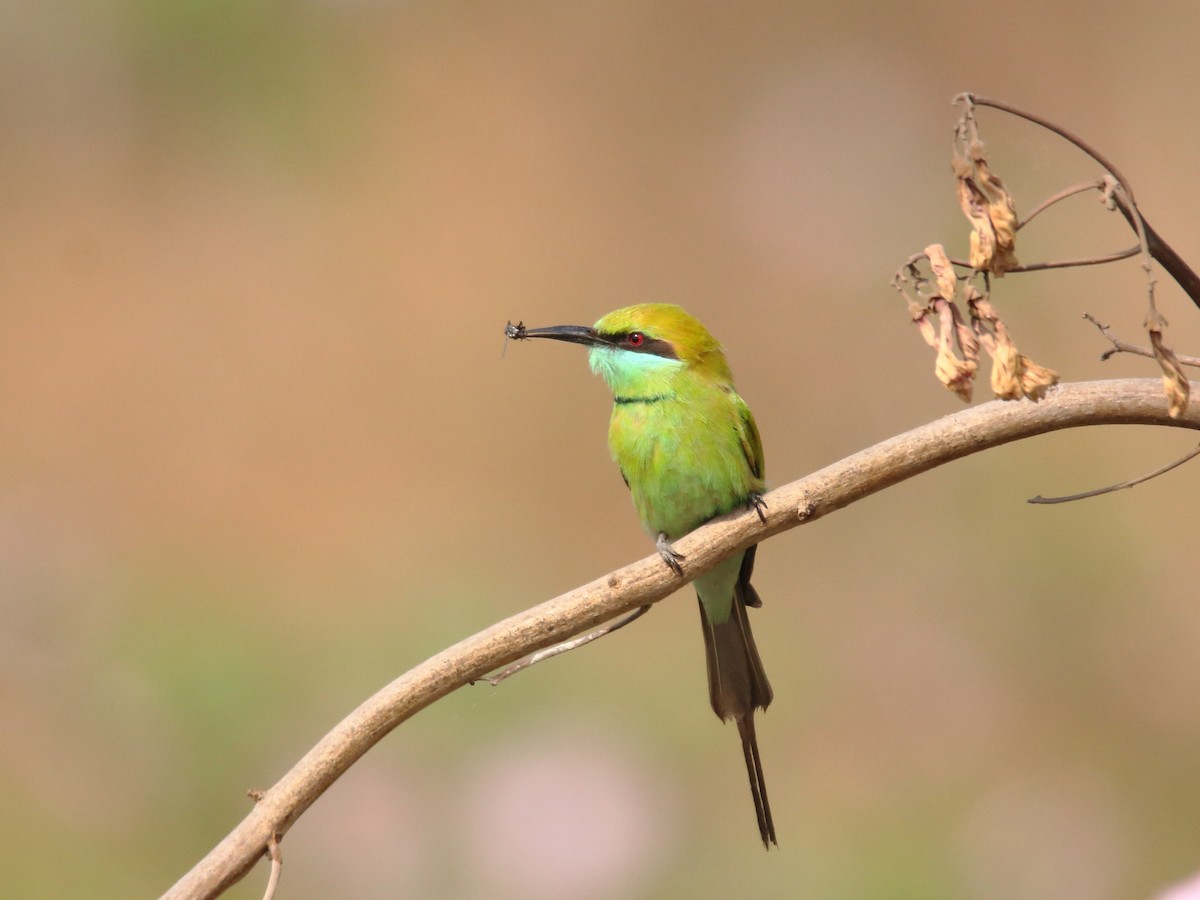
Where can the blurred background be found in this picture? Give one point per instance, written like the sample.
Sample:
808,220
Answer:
261,451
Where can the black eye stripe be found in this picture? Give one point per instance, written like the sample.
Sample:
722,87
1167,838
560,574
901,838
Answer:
653,346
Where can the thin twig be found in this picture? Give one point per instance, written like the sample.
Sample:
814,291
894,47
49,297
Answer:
1094,185
1120,346
1154,319
572,644
1096,492
910,265
1066,263
276,856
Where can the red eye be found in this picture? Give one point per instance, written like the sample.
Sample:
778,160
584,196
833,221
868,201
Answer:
636,339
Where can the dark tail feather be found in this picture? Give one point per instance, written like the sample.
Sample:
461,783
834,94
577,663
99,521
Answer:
758,784
737,686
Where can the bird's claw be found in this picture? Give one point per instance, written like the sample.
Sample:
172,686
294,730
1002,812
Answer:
759,505
669,554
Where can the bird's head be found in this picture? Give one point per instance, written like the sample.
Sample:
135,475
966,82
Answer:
641,348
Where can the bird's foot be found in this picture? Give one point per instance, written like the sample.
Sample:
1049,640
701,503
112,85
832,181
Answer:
759,505
669,554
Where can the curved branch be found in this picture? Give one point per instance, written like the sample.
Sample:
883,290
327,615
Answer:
1138,402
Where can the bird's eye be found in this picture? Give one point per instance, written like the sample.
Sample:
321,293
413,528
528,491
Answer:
635,339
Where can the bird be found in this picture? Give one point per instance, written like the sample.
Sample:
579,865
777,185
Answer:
689,450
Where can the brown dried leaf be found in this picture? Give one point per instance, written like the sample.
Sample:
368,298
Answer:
1006,369
917,312
1035,379
990,209
983,236
1001,210
1013,374
983,317
956,374
966,339
972,294
943,271
1175,383
920,317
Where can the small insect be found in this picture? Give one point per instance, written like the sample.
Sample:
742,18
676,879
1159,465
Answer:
513,332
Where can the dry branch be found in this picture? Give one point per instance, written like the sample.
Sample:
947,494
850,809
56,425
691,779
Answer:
1138,402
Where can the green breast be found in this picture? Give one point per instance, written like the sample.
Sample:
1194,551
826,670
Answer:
683,458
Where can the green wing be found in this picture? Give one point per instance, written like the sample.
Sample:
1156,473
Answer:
748,433
752,447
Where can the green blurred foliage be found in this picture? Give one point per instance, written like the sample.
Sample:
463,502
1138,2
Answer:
261,450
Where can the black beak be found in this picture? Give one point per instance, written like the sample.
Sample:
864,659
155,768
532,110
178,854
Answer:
575,334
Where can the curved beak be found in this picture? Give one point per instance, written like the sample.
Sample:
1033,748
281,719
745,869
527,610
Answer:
575,334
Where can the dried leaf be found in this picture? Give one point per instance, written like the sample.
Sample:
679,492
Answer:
966,339
1006,369
983,236
983,318
1035,379
990,209
1175,383
917,312
956,374
1013,375
943,271
1001,209
920,317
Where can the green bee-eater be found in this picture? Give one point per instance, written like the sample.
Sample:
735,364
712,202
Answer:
689,450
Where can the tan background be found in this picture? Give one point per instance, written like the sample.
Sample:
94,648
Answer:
260,451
